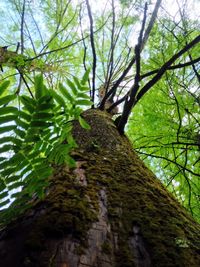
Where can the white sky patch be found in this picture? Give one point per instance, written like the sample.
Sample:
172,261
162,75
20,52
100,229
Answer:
175,183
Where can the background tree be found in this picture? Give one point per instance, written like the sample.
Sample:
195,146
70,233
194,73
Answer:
70,175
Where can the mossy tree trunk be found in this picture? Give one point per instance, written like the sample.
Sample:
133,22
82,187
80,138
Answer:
109,211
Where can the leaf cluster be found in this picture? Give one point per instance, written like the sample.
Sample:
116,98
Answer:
34,136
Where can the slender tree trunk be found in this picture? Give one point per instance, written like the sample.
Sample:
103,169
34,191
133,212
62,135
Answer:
109,211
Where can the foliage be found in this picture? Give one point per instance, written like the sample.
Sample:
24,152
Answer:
164,126
35,135
126,44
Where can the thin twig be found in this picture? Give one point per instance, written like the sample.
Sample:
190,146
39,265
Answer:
111,51
22,27
22,76
67,46
93,49
85,47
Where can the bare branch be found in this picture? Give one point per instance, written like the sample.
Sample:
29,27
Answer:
172,161
93,48
127,69
133,91
178,66
165,67
111,52
151,23
24,80
22,27
85,48
58,49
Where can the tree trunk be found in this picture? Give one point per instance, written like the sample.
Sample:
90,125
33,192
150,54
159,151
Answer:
110,210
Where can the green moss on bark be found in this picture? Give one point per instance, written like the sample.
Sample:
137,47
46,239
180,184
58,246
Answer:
135,200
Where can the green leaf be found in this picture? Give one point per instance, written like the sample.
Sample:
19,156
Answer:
20,133
6,148
22,164
16,159
46,106
15,185
6,99
32,136
12,178
33,154
4,194
29,103
8,118
7,110
45,99
8,171
43,115
4,203
39,86
4,164
22,123
72,86
58,98
83,123
85,89
70,140
4,86
76,80
85,77
83,102
18,195
2,185
66,94
27,170
6,129
70,161
83,95
10,139
25,115
40,123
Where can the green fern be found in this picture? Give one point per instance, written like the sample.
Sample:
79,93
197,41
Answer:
35,136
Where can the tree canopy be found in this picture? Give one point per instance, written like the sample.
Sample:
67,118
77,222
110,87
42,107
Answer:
57,57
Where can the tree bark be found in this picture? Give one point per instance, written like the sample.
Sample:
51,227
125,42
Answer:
109,211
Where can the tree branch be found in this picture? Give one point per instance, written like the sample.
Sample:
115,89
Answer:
165,67
93,49
22,27
171,161
133,91
178,66
125,72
